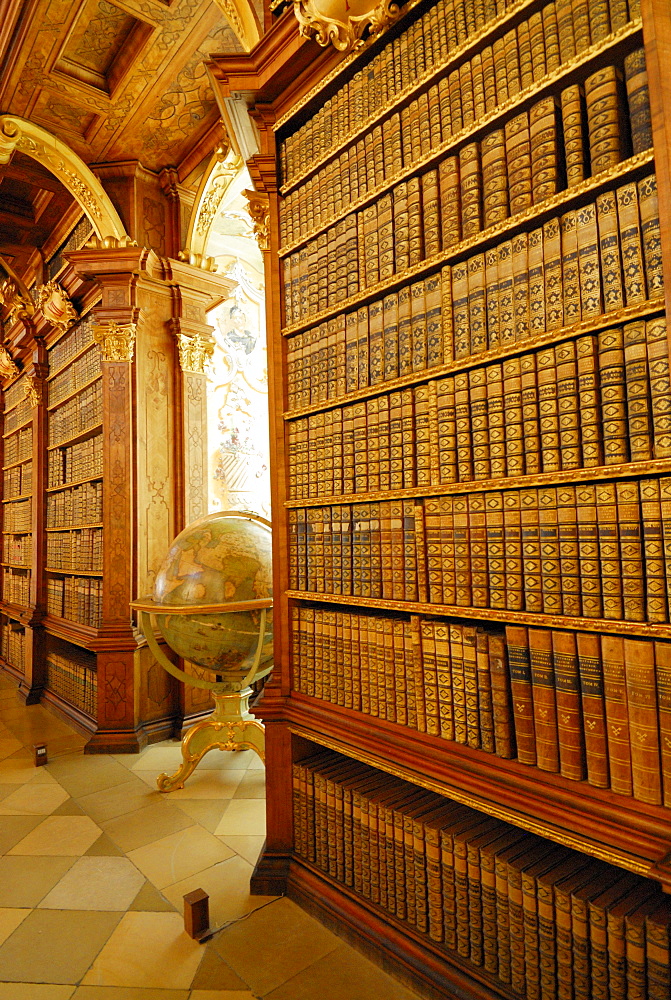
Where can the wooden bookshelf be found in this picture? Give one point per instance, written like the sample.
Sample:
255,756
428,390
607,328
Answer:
108,432
343,706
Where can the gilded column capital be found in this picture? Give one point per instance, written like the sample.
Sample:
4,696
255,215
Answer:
34,390
116,340
259,210
194,353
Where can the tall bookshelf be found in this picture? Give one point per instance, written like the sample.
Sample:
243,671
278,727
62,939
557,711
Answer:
472,460
104,463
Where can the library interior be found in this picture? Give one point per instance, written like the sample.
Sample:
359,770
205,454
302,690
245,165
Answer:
389,282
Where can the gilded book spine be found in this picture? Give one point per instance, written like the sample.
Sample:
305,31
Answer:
609,251
650,235
660,388
588,551
521,688
569,714
593,708
543,696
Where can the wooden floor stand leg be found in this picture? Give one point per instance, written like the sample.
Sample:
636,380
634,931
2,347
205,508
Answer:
230,727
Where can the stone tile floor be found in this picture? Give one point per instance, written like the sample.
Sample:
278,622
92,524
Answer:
94,863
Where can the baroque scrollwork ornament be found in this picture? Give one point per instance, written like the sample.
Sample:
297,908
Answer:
7,367
194,353
116,340
56,307
258,206
343,22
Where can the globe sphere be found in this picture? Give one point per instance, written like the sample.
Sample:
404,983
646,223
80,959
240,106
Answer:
222,558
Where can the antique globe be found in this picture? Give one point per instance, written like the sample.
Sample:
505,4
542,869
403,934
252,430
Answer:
212,604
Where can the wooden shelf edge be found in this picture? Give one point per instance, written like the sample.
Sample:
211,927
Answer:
19,461
499,231
76,482
630,837
74,632
394,945
75,357
82,436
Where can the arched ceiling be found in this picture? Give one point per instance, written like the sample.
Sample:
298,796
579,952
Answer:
119,79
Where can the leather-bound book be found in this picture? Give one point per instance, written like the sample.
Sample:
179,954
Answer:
405,330
484,691
543,694
504,728
494,178
589,401
638,404
588,551
608,135
569,709
663,679
570,268
599,20
431,212
545,163
650,235
568,404
536,283
477,379
530,419
630,244
518,156
631,550
552,251
416,223
639,666
567,48
512,405
476,304
588,262
638,99
609,252
471,189
609,550
390,337
546,374
496,421
462,551
617,717
550,562
506,293
401,227
462,334
478,544
512,536
569,560
517,644
658,373
520,260
593,708
613,396
496,562
653,549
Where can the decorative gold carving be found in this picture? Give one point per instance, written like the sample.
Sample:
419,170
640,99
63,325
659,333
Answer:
56,306
259,211
502,229
520,819
197,260
63,162
19,303
226,166
117,341
457,138
333,21
7,367
194,353
109,242
33,390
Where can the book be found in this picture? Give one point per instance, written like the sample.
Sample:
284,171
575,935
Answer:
517,645
650,235
617,718
638,100
518,156
663,679
605,125
630,244
639,668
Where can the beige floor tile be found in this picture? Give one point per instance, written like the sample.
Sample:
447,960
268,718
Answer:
221,995
69,808
119,800
82,774
343,974
14,828
202,784
243,817
206,812
144,826
26,881
34,800
70,940
256,764
247,847
18,769
127,993
150,899
159,758
65,836
227,885
8,746
34,991
96,884
142,948
10,919
6,790
103,847
215,974
286,941
252,785
179,856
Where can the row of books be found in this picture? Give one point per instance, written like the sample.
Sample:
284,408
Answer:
75,462
77,598
80,505
590,260
18,446
598,400
513,61
17,549
14,393
79,549
74,679
20,415
592,550
78,374
17,481
79,414
558,143
17,516
75,340
541,919
16,586
13,644
588,707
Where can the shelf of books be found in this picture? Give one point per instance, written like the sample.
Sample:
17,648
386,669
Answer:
473,711
17,535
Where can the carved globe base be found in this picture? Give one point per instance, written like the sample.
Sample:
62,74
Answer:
230,727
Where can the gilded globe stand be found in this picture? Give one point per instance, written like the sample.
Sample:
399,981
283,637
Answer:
205,611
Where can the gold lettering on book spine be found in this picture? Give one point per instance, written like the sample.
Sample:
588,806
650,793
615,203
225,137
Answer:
116,341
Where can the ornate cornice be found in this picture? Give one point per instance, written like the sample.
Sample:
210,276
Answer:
56,307
116,340
259,210
194,353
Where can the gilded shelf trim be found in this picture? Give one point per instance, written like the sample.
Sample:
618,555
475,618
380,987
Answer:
22,496
548,82
590,325
20,461
600,472
87,432
76,482
499,230
661,631
563,837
